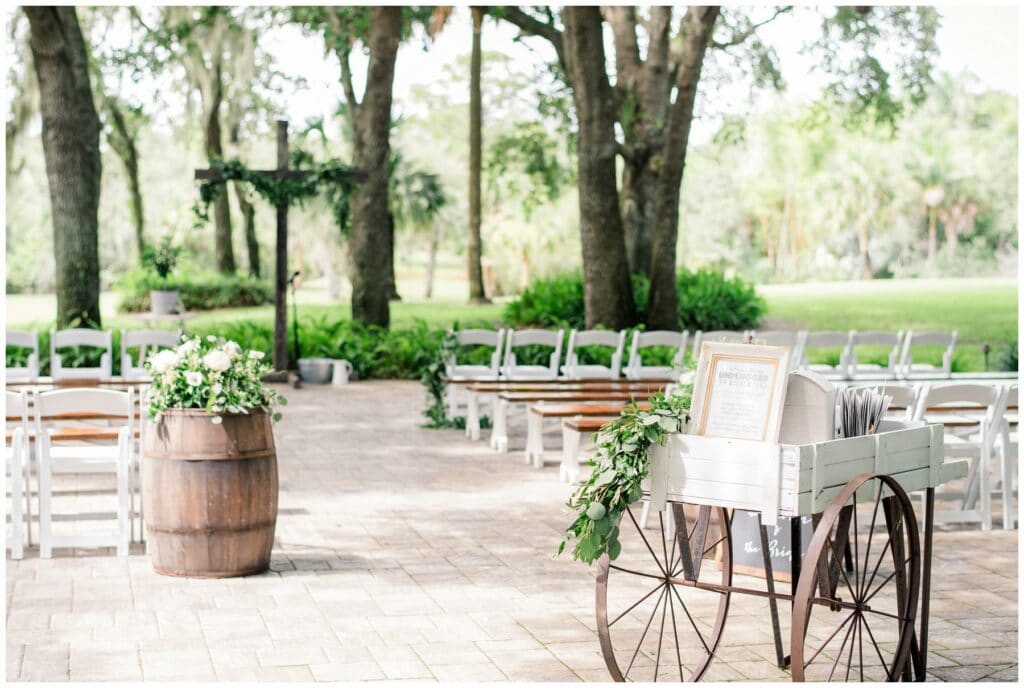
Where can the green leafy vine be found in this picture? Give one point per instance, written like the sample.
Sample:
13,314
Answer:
333,178
617,471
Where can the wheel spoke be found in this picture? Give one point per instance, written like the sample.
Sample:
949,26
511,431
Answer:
860,644
856,545
834,546
644,537
661,636
849,658
692,622
887,614
714,544
874,643
636,573
664,550
636,604
871,533
675,634
642,637
829,639
672,552
887,579
881,558
839,654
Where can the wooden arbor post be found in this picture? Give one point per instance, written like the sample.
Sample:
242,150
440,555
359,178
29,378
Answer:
282,171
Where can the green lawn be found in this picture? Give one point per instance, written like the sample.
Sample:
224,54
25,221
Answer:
982,311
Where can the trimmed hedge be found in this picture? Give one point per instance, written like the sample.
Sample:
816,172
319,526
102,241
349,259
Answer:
707,301
198,291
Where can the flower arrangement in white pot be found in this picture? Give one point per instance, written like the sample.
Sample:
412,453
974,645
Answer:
210,463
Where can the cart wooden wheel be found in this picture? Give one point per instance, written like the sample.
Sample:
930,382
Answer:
654,620
859,625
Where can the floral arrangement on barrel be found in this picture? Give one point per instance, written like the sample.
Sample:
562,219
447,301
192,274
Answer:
618,469
210,374
209,484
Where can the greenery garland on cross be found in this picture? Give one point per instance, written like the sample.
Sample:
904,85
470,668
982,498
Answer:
282,187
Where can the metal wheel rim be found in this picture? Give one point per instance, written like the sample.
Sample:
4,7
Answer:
861,592
712,641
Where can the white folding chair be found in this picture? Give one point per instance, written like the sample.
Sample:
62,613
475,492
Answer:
973,441
791,339
574,370
904,399
828,339
730,336
16,464
875,338
1009,451
453,368
635,368
147,342
908,367
511,370
24,340
80,336
54,409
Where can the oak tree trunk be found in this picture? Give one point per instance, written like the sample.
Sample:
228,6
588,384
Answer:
371,152
224,252
393,294
252,244
122,142
607,294
476,280
71,147
695,33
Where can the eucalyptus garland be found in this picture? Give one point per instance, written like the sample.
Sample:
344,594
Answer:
617,470
333,178
433,379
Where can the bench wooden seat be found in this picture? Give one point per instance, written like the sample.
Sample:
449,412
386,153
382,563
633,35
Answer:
93,434
496,387
534,450
573,430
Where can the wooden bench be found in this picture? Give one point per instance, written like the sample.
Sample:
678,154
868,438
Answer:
573,430
539,412
489,392
505,400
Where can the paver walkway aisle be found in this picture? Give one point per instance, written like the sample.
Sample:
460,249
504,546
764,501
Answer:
405,553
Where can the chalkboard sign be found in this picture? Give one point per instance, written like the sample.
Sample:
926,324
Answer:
746,544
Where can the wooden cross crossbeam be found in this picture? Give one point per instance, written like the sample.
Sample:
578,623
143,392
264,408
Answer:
281,257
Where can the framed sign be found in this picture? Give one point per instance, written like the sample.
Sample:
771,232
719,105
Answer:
739,391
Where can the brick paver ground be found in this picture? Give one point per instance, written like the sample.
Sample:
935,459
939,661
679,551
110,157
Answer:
405,553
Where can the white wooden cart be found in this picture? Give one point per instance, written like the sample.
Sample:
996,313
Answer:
859,597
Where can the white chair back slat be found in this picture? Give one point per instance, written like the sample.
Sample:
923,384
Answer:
904,397
532,337
578,338
912,339
481,337
24,340
99,339
729,336
147,342
635,368
791,339
17,405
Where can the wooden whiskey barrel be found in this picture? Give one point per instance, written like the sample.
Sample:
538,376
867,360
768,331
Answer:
210,493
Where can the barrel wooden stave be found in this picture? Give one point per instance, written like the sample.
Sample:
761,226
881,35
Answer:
210,494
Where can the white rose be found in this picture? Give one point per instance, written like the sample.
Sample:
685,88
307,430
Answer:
163,360
217,361
188,347
211,338
256,355
193,378
233,349
687,378
216,389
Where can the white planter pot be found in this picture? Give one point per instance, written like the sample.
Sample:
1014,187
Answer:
163,302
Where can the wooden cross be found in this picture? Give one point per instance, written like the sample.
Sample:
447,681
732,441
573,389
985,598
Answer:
281,263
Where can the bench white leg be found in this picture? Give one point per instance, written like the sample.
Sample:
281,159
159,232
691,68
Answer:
473,416
124,500
452,402
534,439
499,434
569,471
644,513
984,475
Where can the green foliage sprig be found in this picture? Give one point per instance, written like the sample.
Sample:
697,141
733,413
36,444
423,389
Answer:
163,257
212,374
617,471
333,178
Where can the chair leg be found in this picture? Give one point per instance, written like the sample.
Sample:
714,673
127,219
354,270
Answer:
17,517
984,478
473,416
45,543
1007,477
123,508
